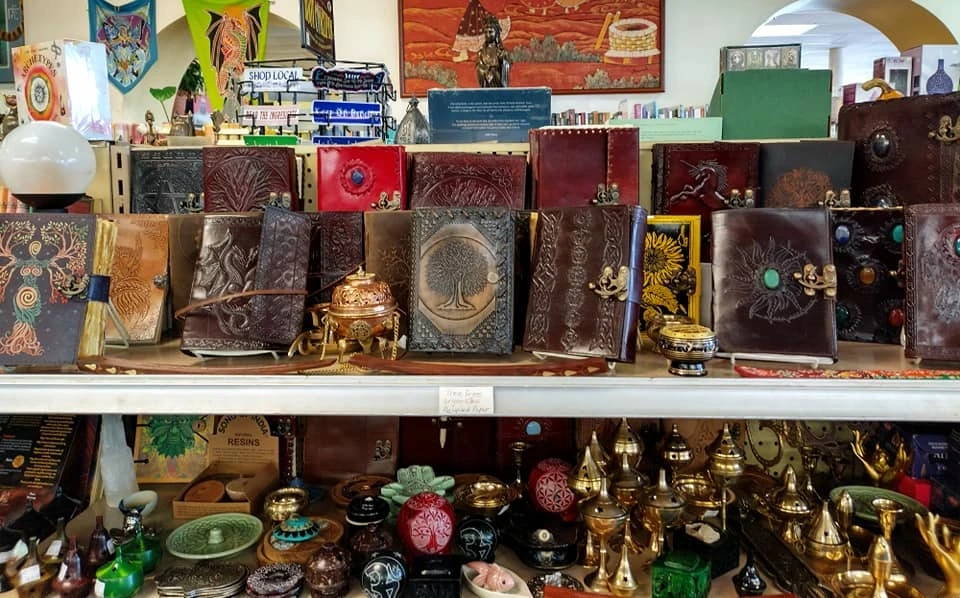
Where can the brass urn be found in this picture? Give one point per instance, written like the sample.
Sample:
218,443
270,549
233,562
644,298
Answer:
688,347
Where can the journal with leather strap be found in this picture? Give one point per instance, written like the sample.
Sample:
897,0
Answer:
698,179
361,178
186,233
461,294
932,260
140,276
774,282
806,174
245,178
166,180
587,282
465,179
867,250
906,150
336,250
582,166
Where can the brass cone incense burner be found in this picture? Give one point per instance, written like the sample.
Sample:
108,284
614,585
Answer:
626,441
725,465
600,455
824,541
603,517
662,506
677,452
792,507
585,482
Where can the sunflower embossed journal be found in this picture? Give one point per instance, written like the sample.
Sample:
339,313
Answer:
671,270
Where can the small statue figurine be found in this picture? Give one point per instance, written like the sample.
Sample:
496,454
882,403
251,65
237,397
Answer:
946,553
150,137
493,66
11,120
878,463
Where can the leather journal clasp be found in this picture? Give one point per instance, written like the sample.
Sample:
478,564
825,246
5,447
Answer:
607,196
948,131
387,204
832,200
747,199
610,285
812,282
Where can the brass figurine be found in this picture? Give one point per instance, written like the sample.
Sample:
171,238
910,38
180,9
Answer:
882,467
493,64
945,553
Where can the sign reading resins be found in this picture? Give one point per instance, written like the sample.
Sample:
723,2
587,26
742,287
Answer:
272,78
328,112
316,25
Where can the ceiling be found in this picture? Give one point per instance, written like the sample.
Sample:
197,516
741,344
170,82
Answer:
860,42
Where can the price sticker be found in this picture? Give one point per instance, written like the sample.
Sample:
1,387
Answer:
466,400
54,548
111,546
98,588
62,573
29,575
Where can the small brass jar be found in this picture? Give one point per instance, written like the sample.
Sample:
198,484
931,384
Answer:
688,347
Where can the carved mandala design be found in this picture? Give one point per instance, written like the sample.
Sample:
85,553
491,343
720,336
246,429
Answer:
784,303
798,188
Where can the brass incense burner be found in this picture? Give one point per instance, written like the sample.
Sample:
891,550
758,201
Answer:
362,311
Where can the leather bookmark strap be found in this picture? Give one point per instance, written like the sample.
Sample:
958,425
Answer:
184,311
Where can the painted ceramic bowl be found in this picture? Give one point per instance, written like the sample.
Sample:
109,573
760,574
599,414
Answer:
215,536
425,524
385,573
548,487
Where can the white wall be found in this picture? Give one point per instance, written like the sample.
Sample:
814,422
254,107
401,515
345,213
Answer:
367,30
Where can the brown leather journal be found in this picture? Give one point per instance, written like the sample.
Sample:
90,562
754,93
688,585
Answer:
906,150
186,232
805,174
697,179
580,166
388,254
139,280
773,275
336,250
244,178
166,180
464,179
336,448
461,295
932,260
867,249
587,282
282,265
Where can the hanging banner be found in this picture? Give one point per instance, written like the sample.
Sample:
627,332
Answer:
226,34
316,27
129,34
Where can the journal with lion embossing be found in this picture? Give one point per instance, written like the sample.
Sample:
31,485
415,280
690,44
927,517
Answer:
461,293
139,280
462,179
587,282
774,282
244,178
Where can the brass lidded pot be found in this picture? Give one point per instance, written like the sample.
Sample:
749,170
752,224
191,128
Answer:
604,517
677,452
626,441
792,506
824,540
361,309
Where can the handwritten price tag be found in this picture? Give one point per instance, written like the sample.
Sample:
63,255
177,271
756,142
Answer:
466,400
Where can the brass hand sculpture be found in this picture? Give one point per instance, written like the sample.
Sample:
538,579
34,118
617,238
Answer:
877,464
946,554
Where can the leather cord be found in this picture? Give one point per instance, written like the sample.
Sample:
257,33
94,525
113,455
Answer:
184,311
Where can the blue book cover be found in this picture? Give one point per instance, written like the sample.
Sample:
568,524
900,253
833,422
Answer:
502,114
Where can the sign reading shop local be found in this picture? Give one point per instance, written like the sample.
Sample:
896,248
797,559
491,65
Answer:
316,26
273,78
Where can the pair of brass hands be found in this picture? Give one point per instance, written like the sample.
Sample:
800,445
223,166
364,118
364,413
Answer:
945,553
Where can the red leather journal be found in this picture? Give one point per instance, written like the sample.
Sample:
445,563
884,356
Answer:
359,178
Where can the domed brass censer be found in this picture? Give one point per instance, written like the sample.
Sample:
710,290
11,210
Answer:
362,310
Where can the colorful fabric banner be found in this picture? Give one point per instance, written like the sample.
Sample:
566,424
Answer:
226,34
129,33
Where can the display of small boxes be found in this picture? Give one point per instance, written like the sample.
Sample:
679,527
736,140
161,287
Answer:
895,70
680,575
936,68
64,81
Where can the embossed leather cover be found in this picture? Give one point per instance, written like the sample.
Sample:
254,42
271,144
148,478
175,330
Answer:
186,232
933,269
867,249
139,278
799,174
671,270
758,307
464,179
572,248
241,178
570,162
282,264
696,179
339,447
461,293
162,179
336,249
898,161
387,249
353,177
41,257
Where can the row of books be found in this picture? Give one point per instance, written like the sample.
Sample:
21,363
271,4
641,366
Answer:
572,117
651,110
10,204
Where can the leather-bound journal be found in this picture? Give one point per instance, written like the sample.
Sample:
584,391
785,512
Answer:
461,293
241,255
140,279
387,252
244,178
361,178
906,150
186,232
932,260
805,174
671,268
867,250
46,268
586,285
774,282
165,180
464,179
582,166
697,179
336,250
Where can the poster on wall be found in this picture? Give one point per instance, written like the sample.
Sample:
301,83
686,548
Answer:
316,28
129,34
226,34
11,36
571,46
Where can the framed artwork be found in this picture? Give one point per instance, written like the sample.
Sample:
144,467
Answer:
571,46
11,36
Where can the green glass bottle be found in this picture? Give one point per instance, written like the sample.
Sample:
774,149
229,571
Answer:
120,578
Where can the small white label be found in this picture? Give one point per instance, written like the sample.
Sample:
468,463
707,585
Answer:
111,547
98,588
62,573
466,400
5,556
54,548
29,575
